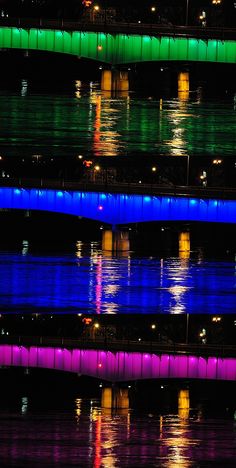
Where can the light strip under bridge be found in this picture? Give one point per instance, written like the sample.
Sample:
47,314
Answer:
117,208
119,366
119,48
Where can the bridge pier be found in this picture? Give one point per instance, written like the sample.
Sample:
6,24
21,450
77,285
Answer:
115,398
183,85
114,80
184,243
115,241
183,403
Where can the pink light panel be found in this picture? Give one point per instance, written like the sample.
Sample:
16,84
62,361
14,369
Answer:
119,366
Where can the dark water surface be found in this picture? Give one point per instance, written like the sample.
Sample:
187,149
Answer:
87,281
84,435
81,120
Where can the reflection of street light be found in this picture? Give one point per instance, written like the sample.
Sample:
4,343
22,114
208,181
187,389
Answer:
153,326
153,9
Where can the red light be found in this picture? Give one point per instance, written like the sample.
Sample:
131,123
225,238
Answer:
100,207
87,320
87,163
99,365
99,47
87,3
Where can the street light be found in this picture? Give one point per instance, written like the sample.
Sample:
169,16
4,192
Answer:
187,328
186,19
187,175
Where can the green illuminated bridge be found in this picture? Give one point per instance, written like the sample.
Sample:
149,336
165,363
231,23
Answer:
118,44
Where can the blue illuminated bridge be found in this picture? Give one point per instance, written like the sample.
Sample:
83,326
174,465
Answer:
120,43
115,365
122,204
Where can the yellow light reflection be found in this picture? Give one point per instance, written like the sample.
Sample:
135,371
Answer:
178,444
178,293
110,308
179,276
78,247
78,89
105,138
178,115
78,402
111,289
105,439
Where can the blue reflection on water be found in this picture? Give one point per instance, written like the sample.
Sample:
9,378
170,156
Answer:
91,282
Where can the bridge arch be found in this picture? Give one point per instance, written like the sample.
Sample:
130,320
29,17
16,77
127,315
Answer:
118,208
119,48
119,366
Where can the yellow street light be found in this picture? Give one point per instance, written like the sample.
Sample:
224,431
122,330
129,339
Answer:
216,319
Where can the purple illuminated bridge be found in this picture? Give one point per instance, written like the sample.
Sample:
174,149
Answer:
118,366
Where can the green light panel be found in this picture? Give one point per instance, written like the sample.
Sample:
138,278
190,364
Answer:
119,48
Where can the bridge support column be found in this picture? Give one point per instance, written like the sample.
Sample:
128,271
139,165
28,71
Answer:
114,80
115,398
183,404
184,243
183,85
115,241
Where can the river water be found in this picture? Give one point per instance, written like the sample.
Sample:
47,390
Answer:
79,119
80,433
84,280
39,127
42,132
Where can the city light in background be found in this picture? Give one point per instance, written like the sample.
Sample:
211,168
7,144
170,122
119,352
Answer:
182,12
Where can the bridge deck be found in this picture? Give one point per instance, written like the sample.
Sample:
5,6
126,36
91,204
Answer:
123,28
107,344
227,193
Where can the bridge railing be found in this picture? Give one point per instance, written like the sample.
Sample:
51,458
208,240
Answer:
205,350
121,187
122,27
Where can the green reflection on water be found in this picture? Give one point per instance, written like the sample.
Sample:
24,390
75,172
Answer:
96,124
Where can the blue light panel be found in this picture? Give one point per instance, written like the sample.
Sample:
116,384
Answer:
119,208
